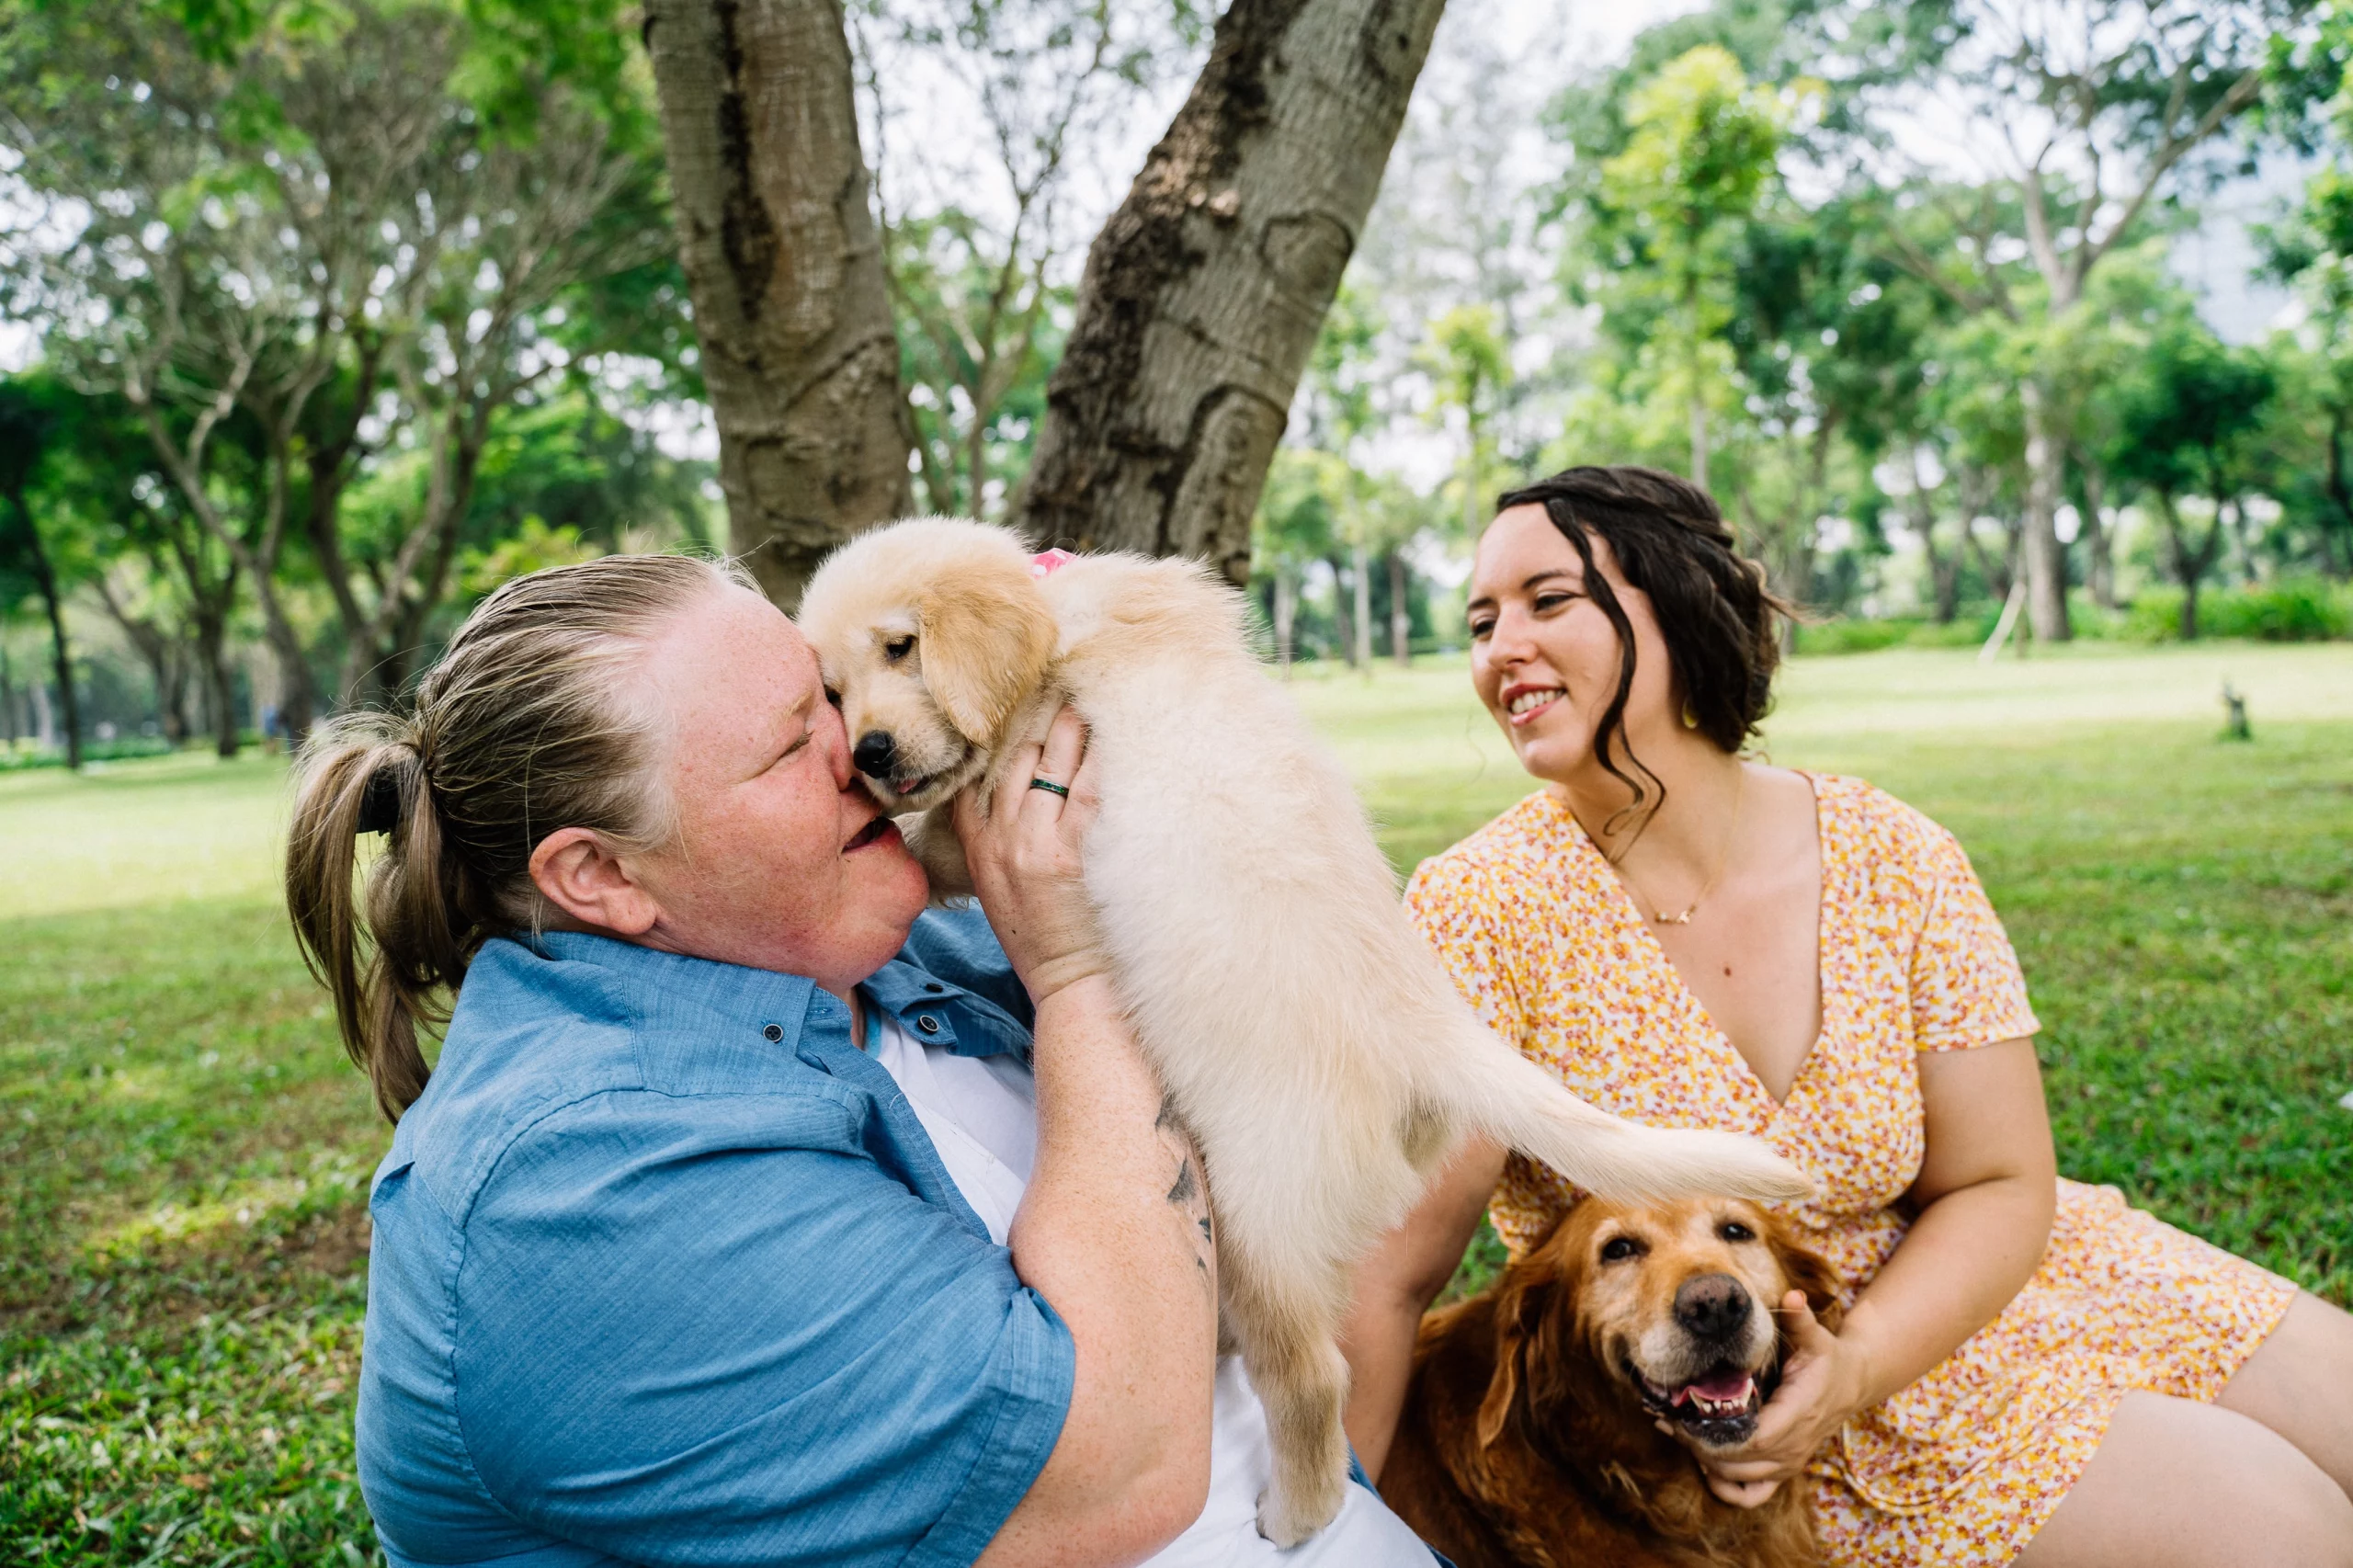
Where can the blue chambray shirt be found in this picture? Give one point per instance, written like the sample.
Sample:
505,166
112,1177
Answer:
667,1271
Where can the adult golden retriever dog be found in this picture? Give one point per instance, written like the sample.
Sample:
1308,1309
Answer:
1307,1038
1530,1437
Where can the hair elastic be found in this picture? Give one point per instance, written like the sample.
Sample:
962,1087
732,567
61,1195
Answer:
380,806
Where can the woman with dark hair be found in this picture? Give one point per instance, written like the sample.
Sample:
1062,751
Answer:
2028,1370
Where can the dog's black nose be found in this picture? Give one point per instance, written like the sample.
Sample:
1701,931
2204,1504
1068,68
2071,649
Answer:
873,752
1714,1306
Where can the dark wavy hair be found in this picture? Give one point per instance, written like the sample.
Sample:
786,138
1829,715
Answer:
1720,622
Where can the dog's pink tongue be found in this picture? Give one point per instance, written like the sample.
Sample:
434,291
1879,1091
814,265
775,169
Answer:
1722,1386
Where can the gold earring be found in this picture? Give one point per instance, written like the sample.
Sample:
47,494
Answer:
1690,720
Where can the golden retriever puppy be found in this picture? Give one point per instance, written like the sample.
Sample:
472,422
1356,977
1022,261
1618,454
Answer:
1531,1434
1310,1042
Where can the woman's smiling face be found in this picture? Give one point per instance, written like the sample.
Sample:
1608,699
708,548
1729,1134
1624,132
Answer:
1544,658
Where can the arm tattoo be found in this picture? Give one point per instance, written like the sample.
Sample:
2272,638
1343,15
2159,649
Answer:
1186,1192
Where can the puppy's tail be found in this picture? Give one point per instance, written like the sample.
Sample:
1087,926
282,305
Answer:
1514,1101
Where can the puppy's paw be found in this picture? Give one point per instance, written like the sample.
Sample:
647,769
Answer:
1287,1520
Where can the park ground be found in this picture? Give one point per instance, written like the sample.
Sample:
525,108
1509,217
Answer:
184,1152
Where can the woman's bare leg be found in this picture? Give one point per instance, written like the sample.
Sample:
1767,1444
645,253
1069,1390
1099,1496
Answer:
2179,1484
2299,1384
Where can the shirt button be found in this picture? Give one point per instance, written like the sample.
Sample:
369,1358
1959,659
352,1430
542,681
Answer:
773,1033
928,1024
933,989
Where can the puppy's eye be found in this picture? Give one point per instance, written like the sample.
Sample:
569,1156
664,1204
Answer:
1733,1231
898,647
1617,1249
833,697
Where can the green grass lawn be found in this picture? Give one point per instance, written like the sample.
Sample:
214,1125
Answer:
184,1152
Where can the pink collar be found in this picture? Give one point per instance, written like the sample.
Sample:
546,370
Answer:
1047,562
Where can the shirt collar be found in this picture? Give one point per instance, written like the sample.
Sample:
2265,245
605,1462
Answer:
788,1010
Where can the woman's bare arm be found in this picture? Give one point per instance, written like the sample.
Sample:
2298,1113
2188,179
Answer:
1396,1283
1984,1197
1113,1230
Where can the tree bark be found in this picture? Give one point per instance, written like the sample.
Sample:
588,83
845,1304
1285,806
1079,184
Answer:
1400,621
2099,537
161,649
2046,561
1944,569
60,652
792,308
1286,614
1203,294
9,726
1360,617
1343,632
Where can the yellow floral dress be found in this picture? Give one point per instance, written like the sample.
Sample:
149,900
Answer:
1965,1465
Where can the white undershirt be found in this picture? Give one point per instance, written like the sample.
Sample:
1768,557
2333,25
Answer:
982,1114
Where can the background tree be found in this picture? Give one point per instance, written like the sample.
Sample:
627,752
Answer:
2184,427
28,426
2085,114
791,301
1203,293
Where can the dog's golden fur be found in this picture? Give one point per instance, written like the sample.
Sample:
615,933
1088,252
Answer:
1310,1042
1530,1437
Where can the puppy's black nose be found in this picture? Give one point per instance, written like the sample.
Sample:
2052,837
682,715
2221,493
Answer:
1714,1306
873,753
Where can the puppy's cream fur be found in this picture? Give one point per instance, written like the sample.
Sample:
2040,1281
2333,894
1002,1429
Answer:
1314,1047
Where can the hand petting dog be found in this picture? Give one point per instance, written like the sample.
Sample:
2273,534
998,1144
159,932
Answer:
1824,1381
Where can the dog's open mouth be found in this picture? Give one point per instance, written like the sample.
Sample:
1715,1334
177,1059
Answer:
1719,1408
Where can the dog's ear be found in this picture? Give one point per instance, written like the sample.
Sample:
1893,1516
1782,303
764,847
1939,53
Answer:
985,641
1521,1303
1805,1270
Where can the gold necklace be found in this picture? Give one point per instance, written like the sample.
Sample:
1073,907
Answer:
1660,916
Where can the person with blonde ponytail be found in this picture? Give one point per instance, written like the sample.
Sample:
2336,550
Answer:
672,1262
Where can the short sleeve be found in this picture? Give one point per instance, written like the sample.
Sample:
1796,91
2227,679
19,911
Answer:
1450,901
772,1354
1967,989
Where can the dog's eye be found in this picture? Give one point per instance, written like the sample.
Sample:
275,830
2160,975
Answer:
833,697
1733,1231
1617,1249
898,647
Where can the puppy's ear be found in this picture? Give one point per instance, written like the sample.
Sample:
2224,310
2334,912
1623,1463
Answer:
985,644
1805,1270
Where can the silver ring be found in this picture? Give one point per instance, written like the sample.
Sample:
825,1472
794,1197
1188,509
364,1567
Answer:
1050,786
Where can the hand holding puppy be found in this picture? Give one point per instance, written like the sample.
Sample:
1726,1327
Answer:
1025,857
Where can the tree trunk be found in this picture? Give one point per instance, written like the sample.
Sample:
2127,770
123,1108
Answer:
9,726
2099,537
2340,492
44,717
1286,614
165,658
60,652
1699,413
1344,634
1203,294
1401,623
2046,561
1360,617
791,306
219,686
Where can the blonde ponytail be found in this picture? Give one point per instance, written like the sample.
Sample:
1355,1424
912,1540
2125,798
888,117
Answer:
525,725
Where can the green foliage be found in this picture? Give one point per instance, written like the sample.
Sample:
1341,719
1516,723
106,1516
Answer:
2306,609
